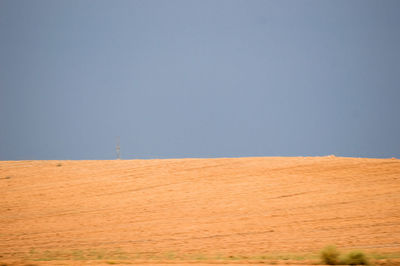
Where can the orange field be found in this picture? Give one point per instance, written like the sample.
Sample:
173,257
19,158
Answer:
236,209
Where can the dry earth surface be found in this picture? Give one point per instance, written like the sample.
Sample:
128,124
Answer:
236,210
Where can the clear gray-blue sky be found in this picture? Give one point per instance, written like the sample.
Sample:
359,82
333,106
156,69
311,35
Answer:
199,78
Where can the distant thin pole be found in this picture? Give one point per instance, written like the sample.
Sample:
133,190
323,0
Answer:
118,149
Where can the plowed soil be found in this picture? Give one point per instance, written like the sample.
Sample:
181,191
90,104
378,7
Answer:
199,207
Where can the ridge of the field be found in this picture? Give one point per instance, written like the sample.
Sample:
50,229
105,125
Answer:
213,207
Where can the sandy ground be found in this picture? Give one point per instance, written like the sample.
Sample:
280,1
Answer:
198,208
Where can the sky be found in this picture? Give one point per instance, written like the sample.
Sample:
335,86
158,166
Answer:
204,78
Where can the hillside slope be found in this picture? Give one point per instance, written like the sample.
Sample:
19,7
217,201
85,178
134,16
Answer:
246,206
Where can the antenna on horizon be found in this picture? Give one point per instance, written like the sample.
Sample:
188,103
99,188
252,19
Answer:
118,149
